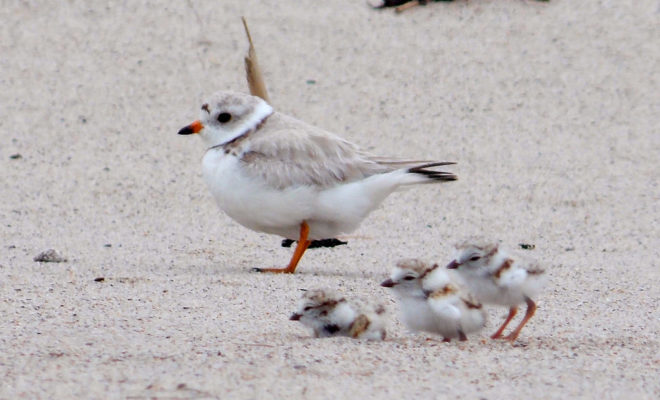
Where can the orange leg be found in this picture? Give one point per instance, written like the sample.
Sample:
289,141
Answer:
531,309
302,245
512,313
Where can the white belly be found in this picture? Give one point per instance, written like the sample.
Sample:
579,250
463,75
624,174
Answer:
418,316
252,204
488,292
260,208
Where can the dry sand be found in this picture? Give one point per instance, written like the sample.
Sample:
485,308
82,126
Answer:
551,110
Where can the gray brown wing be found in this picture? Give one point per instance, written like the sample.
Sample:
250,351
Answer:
294,157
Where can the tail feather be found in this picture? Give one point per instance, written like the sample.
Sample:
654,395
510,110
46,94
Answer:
433,174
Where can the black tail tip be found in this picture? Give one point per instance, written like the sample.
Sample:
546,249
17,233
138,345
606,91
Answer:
433,174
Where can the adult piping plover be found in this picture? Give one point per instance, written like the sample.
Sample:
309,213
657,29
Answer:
496,278
275,174
431,301
329,314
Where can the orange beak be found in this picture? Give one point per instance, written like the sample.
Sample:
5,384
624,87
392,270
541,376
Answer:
195,127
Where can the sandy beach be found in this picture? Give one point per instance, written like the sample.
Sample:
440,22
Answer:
550,110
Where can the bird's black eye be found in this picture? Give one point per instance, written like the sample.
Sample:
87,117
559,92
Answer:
224,117
408,278
475,258
308,308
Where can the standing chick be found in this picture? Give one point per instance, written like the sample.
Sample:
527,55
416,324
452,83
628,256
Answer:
494,277
430,301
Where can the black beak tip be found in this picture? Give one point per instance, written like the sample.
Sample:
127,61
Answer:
295,317
186,131
387,283
453,265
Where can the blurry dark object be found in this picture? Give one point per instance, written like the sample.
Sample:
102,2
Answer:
403,5
316,243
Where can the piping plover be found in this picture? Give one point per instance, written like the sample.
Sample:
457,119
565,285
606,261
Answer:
329,314
496,278
275,174
431,301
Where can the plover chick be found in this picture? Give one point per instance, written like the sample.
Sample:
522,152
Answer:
495,277
327,314
431,301
275,174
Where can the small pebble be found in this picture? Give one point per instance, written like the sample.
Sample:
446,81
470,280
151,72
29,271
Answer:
15,156
50,255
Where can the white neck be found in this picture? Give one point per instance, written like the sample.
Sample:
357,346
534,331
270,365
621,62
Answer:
260,113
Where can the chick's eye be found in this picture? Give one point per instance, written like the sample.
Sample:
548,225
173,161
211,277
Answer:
475,258
224,117
307,308
408,278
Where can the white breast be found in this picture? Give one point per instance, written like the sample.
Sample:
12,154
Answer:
417,315
250,202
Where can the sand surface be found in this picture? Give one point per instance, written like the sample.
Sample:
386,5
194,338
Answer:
551,110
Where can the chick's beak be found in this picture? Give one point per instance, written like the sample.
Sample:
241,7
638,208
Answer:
387,283
295,317
195,127
453,265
